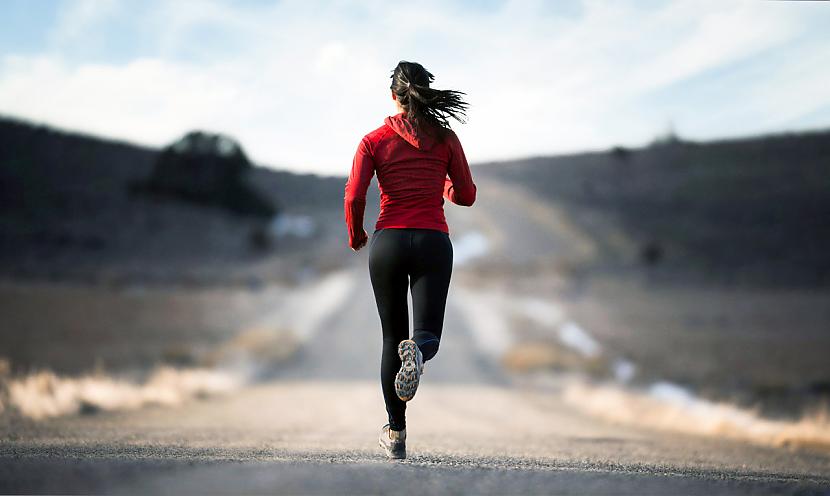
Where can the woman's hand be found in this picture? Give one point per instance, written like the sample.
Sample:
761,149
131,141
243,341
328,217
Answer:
360,241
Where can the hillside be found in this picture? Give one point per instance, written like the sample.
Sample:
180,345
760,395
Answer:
744,211
68,210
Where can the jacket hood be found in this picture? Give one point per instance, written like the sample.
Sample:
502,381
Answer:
407,131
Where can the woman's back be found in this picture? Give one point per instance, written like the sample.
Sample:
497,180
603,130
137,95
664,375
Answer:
412,169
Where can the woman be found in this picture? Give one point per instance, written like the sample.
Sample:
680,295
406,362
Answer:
412,153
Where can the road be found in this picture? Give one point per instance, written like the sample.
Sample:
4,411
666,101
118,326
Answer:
312,428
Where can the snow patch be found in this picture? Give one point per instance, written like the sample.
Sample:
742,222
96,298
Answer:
301,226
624,370
468,247
574,336
543,312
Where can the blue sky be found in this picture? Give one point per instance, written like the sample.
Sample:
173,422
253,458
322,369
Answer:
298,83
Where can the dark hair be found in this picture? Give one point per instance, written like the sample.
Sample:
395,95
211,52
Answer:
426,107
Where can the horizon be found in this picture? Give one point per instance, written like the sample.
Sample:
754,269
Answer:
148,73
519,158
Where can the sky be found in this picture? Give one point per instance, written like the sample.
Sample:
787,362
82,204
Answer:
299,83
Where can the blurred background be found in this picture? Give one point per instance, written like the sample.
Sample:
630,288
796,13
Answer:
650,240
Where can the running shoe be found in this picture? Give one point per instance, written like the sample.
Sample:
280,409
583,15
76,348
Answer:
393,442
412,366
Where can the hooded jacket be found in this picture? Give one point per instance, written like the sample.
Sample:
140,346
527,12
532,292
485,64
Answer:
416,172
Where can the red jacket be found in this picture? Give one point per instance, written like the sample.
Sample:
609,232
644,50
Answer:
412,174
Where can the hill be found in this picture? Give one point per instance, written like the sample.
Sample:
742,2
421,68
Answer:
69,210
740,211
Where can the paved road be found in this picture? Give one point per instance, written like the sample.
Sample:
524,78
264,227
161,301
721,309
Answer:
312,429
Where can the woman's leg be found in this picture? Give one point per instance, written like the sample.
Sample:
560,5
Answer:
430,280
388,257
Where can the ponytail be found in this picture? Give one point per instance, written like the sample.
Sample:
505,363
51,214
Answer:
426,107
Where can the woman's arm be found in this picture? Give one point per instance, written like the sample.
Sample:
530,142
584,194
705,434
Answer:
459,187
354,201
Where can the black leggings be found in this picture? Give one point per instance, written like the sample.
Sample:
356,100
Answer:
400,259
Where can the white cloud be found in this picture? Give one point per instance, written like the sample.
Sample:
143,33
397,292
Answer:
298,83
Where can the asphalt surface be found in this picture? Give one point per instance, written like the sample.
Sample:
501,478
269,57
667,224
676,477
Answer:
313,428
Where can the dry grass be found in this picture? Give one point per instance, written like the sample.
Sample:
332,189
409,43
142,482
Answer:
694,415
45,394
256,347
544,355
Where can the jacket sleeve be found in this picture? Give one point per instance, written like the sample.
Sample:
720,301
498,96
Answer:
354,201
459,187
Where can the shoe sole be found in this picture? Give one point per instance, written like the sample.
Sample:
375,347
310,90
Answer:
406,382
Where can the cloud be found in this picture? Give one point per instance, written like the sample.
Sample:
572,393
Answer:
299,83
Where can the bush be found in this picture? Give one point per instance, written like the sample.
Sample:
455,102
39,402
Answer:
207,169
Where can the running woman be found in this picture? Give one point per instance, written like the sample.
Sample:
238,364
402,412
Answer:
419,162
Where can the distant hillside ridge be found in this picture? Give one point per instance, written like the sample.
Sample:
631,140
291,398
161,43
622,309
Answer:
68,206
750,210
